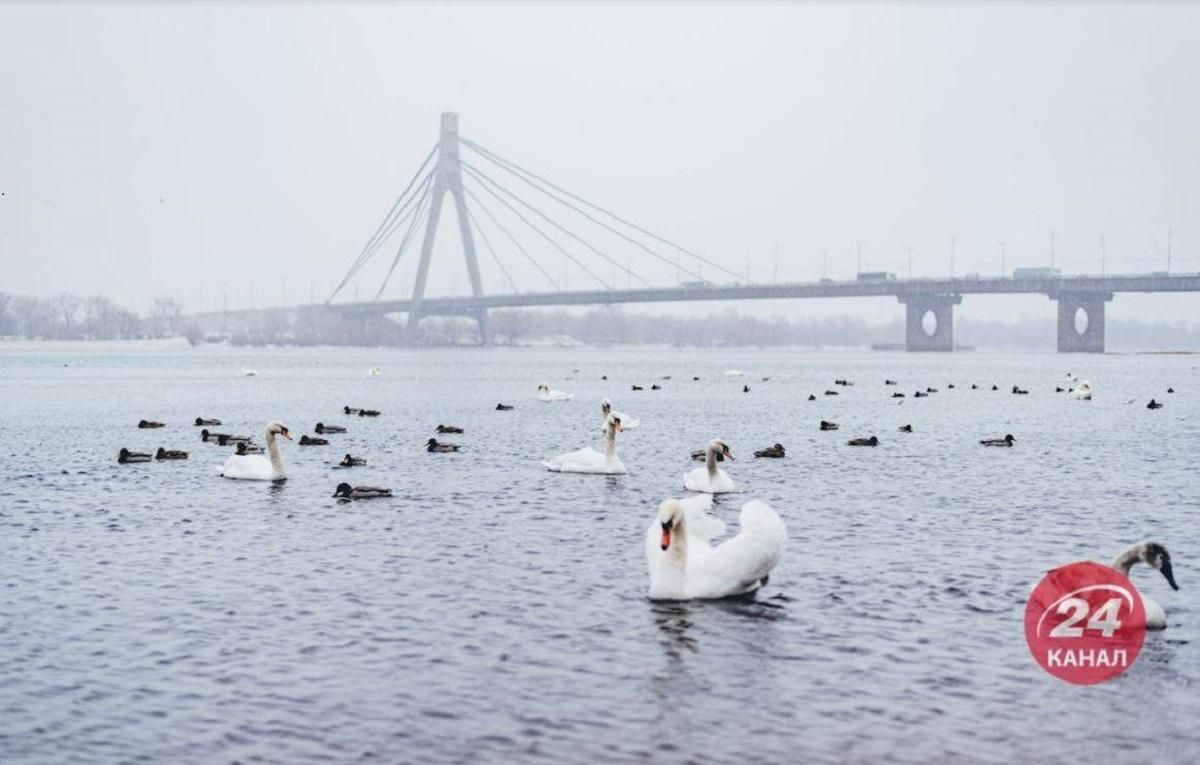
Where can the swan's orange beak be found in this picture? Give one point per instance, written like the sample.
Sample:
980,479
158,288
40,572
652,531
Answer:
666,535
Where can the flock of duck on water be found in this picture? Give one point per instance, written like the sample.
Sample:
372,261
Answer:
682,561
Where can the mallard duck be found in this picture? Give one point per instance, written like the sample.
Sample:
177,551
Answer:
346,491
149,424
125,456
920,394
812,397
897,394
1006,441
995,387
1170,390
831,393
872,441
655,386
1059,389
890,382
974,386
775,452
202,422
1019,391
368,412
906,429
635,387
170,454
351,461
350,410
827,425
207,436
1154,405
322,428
433,445
745,389
310,441
449,429
504,407
931,390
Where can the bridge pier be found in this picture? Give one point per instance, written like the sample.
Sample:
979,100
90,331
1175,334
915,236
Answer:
1070,304
916,338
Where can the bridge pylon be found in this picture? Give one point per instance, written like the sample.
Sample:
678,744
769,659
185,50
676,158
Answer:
448,179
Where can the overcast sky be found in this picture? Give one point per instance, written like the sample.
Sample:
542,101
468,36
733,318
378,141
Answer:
206,150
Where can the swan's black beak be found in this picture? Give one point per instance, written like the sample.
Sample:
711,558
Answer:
1170,576
666,535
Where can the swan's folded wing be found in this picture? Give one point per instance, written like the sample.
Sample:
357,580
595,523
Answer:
739,564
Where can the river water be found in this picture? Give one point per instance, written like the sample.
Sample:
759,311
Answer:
495,612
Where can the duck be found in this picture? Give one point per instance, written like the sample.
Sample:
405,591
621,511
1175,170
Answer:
890,382
1154,405
627,422
587,459
352,461
695,378
636,387
449,429
745,389
1008,440
842,382
931,390
774,452
149,424
974,386
831,393
504,407
547,395
995,387
306,440
257,467
1083,391
322,428
127,457
872,441
920,394
207,436
1019,391
350,410
710,479
906,429
812,397
434,445
1059,389
247,448
655,386
897,394
346,491
368,412
1170,390
827,425
202,422
950,386
1156,557
683,564
170,454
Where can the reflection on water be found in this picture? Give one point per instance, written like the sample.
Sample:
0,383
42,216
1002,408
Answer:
492,611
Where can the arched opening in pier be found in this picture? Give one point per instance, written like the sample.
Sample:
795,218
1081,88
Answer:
929,323
1081,321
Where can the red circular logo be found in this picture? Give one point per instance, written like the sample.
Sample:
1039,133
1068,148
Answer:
1085,623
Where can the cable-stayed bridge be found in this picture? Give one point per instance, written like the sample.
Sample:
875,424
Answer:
492,200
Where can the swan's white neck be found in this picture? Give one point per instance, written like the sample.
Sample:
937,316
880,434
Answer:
610,442
1126,560
277,473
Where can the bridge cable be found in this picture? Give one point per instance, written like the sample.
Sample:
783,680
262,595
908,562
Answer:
512,239
388,227
483,235
537,184
481,176
496,158
421,211
541,233
396,204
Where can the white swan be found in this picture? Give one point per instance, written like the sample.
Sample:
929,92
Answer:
257,467
587,459
1083,391
374,372
684,566
547,395
627,422
249,372
733,373
1156,557
710,478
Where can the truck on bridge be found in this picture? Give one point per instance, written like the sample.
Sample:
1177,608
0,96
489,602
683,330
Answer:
876,276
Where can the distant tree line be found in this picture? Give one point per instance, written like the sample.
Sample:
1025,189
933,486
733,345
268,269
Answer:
73,317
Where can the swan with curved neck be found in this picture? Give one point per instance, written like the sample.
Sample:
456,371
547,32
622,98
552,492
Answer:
1156,557
711,479
547,395
627,422
683,565
257,467
587,459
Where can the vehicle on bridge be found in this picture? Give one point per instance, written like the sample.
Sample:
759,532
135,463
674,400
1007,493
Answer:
1036,273
876,276
698,284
